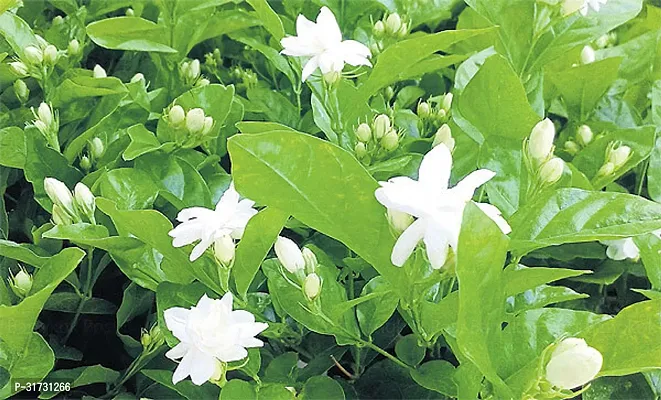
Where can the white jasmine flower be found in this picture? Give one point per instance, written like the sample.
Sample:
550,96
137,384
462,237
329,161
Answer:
622,249
438,209
198,223
322,41
210,333
573,363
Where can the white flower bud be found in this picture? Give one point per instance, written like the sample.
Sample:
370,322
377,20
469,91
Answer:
224,250
34,55
390,141
393,23
447,102
310,260
404,30
74,47
195,120
398,220
364,133
50,54
21,283
42,42
584,135
21,91
551,170
424,110
60,194
332,77
573,363
379,28
85,163
208,124
602,41
571,147
606,170
137,78
289,254
619,156
99,72
203,82
540,145
58,20
381,125
176,115
43,128
312,286
587,55
85,200
441,113
96,148
19,69
45,113
444,135
130,12
60,217
360,150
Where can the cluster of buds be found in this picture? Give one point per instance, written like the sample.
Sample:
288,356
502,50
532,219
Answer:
607,40
151,339
190,72
375,139
213,60
388,29
95,150
21,91
584,137
20,283
47,121
434,112
69,208
617,155
444,135
302,264
539,153
245,77
194,125
37,60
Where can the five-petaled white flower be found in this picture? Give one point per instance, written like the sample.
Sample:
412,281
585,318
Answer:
322,41
210,333
198,223
621,249
438,209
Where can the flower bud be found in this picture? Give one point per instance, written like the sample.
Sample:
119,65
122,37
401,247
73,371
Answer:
446,104
441,113
42,42
60,194
58,20
202,82
573,363
45,113
389,93
96,148
540,145
34,55
424,110
619,156
332,77
571,147
551,170
360,150
393,23
176,115
571,6
130,12
312,286
224,250
208,124
73,49
195,120
398,220
137,78
99,72
60,217
381,125
21,91
19,69
602,41
85,163
50,54
21,283
444,135
606,170
310,260
364,133
390,141
584,135
85,200
587,55
42,127
289,254
379,28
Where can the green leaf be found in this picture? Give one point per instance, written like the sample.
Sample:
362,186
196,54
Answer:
258,238
129,188
143,141
16,32
495,102
269,18
185,388
12,147
519,278
33,363
540,297
129,33
408,350
650,253
630,341
344,207
387,380
372,314
236,389
581,87
574,215
21,252
481,292
322,388
81,376
81,87
135,301
68,302
618,388
435,317
436,375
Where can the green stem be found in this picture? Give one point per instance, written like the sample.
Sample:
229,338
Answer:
86,294
386,354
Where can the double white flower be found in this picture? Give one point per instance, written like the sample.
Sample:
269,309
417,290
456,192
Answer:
226,223
622,249
210,333
438,209
322,41
573,363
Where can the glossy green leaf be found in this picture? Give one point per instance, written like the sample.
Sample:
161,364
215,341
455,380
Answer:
184,388
436,375
12,147
269,18
81,376
372,314
129,188
236,389
129,33
408,350
650,253
322,388
518,279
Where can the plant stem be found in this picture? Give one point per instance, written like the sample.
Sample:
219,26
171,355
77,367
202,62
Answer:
86,295
386,354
